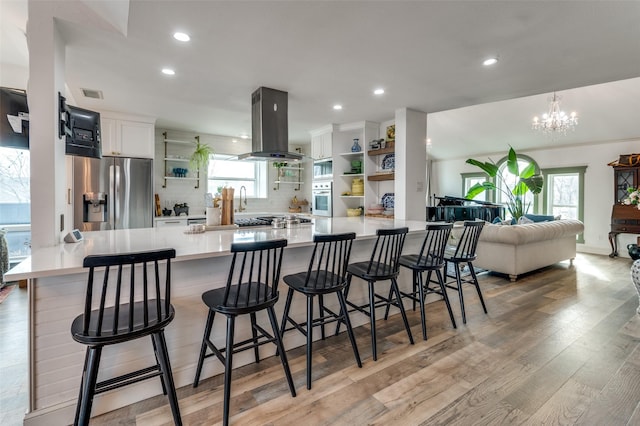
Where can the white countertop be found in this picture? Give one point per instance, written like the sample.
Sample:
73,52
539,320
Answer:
67,258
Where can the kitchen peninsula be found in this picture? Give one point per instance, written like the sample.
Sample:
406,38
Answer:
57,284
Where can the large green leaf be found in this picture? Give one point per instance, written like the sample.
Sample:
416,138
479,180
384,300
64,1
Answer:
528,171
534,183
489,168
520,189
512,163
479,188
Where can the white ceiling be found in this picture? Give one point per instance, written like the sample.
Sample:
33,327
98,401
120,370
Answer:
426,54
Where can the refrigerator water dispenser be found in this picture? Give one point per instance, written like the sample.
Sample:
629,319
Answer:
94,207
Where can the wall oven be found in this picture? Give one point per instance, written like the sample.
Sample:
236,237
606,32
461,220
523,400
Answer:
322,193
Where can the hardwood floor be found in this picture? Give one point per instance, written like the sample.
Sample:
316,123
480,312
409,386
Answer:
14,357
559,346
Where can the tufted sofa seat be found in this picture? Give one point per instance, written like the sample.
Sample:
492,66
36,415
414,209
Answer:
517,249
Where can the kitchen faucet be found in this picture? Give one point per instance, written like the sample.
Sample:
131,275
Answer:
240,208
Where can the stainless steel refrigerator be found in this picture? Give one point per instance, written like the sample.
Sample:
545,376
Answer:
112,193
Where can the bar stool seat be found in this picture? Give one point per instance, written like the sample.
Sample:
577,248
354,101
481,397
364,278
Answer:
121,316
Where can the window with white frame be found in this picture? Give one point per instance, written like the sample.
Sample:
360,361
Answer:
15,201
564,193
226,170
509,180
471,179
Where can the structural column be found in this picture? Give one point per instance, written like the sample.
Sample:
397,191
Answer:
411,164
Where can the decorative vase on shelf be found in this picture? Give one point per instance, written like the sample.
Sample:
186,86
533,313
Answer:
356,146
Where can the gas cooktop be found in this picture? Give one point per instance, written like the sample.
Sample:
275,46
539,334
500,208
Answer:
263,220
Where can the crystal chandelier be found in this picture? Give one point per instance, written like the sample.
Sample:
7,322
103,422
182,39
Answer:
556,120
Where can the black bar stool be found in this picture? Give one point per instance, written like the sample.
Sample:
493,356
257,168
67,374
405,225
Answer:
129,308
429,260
464,253
252,286
326,274
383,265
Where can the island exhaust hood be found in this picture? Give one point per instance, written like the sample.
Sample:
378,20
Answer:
270,127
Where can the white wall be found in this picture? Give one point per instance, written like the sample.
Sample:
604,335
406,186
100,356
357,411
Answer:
598,184
277,201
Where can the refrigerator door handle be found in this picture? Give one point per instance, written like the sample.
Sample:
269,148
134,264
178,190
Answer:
116,196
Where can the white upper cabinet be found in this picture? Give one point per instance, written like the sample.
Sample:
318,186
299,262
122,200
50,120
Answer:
322,143
127,138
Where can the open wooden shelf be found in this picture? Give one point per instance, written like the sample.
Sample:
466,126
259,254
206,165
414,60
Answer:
385,150
382,176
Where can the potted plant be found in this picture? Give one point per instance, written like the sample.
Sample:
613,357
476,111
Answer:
278,165
528,181
200,157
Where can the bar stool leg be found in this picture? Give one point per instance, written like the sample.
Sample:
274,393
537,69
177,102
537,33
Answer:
228,365
309,338
386,309
155,352
285,315
372,317
443,288
203,347
475,282
82,380
346,295
254,331
283,355
321,300
347,321
417,280
394,285
89,385
423,317
460,295
165,365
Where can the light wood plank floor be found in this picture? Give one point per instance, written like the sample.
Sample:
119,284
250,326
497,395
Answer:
559,346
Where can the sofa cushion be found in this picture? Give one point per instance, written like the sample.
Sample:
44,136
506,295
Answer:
531,232
523,220
539,217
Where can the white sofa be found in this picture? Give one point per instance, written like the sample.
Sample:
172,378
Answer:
516,249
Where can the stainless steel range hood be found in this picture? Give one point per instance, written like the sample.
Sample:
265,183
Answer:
270,127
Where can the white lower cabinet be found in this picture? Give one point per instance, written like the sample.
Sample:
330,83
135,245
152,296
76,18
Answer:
173,221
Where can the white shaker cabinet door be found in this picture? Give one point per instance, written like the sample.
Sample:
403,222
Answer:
127,138
136,139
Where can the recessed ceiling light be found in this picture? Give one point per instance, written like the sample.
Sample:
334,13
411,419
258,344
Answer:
428,141
337,107
378,92
234,140
168,71
181,36
244,136
490,61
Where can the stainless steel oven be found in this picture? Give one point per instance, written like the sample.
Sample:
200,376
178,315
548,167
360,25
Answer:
322,193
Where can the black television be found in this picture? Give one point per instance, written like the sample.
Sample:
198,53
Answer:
82,132
14,118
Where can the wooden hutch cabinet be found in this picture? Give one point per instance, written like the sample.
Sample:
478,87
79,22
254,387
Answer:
624,219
